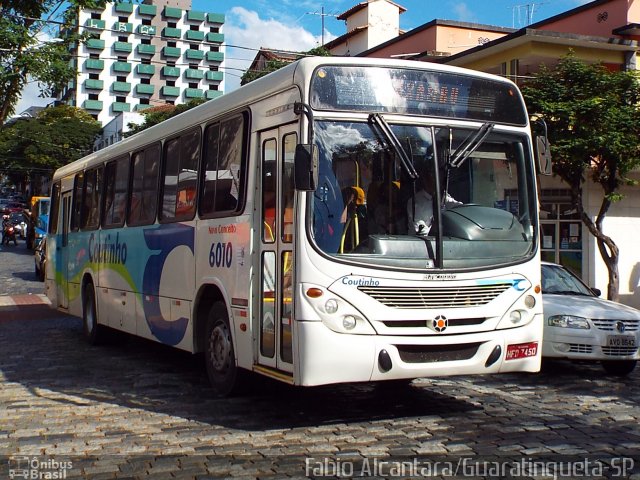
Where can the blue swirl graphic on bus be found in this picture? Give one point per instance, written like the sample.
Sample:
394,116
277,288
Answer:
164,238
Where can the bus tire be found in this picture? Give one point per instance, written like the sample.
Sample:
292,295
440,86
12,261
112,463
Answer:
90,328
224,375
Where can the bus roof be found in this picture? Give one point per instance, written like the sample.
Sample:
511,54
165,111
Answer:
296,73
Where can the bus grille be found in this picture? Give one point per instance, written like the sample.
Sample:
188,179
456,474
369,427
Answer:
436,297
437,353
610,325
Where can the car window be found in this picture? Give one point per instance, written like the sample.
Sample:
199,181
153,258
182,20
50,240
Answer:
556,279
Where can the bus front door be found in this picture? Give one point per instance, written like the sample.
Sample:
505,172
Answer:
274,205
62,251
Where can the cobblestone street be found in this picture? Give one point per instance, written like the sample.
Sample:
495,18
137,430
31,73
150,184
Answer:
136,409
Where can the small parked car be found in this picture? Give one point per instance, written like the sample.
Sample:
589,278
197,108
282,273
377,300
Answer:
40,258
578,325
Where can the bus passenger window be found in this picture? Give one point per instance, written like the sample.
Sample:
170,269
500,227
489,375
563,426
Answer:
182,157
144,187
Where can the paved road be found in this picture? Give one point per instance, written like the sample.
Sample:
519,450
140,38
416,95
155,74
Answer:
135,409
17,270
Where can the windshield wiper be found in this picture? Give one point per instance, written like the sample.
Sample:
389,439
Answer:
471,143
378,120
566,292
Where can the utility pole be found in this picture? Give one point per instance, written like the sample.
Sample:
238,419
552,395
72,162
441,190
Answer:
322,15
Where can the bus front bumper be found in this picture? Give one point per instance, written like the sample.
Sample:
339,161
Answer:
329,357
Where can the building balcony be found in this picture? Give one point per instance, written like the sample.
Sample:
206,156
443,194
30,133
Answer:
194,16
93,23
149,30
193,93
215,56
94,64
118,107
92,105
121,87
95,43
122,27
140,107
211,94
168,91
144,89
171,32
144,49
123,7
121,67
91,84
144,9
171,72
172,12
193,74
194,54
122,47
172,52
215,37
143,69
194,35
214,76
215,17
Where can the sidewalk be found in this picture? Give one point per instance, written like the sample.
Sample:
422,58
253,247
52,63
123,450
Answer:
24,307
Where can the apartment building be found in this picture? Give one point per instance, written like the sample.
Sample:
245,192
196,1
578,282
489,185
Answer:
143,55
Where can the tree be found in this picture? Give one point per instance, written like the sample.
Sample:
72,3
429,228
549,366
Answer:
155,115
277,64
593,119
26,55
57,136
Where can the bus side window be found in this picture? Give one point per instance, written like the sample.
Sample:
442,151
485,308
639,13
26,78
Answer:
143,200
223,167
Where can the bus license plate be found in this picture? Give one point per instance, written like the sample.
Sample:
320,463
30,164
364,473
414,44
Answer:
521,350
621,341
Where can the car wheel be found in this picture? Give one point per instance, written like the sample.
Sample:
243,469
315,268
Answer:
92,331
225,377
619,368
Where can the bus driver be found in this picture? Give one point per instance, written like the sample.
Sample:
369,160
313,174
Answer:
422,203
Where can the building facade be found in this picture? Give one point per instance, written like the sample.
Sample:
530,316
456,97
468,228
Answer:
142,55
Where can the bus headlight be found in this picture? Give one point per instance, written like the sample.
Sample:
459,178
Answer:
349,322
568,321
515,316
331,306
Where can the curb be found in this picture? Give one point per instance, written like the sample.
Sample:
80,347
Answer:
22,300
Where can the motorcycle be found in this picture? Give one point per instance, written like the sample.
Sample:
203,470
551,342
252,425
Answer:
9,233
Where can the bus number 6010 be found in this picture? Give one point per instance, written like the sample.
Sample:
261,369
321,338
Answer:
220,255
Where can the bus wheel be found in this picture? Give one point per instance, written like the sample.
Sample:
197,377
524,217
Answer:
619,368
219,354
90,327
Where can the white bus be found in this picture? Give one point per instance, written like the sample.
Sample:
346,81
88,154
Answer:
271,229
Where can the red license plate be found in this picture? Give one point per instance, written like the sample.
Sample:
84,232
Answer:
522,350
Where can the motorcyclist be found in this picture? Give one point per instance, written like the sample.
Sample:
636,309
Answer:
5,220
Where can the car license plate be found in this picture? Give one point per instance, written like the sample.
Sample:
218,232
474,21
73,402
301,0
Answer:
521,350
621,341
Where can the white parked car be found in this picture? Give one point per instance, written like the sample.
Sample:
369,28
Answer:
578,325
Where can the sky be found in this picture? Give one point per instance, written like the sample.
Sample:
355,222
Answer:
296,25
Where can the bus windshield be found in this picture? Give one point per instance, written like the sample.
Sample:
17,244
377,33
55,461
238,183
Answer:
459,197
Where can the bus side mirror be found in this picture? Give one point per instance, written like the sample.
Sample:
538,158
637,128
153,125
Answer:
306,167
543,155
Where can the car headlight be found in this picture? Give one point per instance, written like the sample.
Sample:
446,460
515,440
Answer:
568,321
